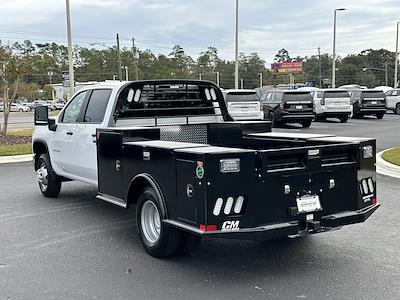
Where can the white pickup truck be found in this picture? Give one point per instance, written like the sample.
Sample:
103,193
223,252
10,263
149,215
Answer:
171,148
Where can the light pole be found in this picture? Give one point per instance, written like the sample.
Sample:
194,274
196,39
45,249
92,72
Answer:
70,54
319,67
237,47
334,47
126,72
217,78
261,79
396,59
381,69
50,73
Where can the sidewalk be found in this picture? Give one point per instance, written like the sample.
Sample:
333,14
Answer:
15,158
385,168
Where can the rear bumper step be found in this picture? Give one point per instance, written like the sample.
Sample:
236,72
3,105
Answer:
349,217
291,229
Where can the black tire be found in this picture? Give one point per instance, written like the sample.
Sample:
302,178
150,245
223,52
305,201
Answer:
50,184
380,116
397,109
306,123
344,119
21,110
189,243
168,239
271,117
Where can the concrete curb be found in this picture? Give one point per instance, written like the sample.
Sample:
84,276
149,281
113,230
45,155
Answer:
15,158
385,168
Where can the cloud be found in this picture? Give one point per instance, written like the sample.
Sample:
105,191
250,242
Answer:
300,26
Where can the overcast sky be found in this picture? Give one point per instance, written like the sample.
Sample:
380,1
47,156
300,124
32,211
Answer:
300,26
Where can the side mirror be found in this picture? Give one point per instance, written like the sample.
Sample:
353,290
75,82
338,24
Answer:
41,115
52,124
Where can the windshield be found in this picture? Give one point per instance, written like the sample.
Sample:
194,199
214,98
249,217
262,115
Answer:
242,97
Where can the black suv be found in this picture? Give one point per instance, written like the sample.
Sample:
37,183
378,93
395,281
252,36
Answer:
281,107
368,102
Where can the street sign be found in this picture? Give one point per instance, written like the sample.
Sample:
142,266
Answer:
65,79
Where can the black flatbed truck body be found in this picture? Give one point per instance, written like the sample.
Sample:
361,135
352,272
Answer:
326,166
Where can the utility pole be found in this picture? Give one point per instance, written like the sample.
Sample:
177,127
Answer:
200,76
217,78
319,67
261,79
386,74
70,54
237,47
119,60
135,59
241,83
396,60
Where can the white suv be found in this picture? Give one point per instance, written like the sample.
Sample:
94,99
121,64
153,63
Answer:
393,101
332,103
243,104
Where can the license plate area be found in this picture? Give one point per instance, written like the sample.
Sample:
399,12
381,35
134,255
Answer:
308,203
374,102
299,106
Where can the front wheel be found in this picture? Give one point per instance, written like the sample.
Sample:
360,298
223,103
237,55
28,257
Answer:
271,117
344,119
49,181
21,110
380,116
397,109
159,239
306,123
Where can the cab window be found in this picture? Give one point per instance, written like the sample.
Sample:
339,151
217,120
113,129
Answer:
71,113
97,105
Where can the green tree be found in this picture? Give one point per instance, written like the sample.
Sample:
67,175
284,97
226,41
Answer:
16,62
282,55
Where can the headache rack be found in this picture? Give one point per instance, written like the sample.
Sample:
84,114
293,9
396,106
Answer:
171,102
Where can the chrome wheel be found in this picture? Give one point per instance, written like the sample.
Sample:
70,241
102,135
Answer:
150,222
43,177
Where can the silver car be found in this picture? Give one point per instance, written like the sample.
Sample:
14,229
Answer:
393,100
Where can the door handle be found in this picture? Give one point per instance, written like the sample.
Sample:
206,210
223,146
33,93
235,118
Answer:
69,133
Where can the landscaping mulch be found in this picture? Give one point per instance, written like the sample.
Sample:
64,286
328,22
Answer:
6,140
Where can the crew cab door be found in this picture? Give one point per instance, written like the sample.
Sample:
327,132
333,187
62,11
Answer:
62,151
85,136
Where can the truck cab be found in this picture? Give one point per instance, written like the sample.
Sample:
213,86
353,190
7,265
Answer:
170,149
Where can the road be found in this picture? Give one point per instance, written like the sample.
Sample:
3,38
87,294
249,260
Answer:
20,120
78,247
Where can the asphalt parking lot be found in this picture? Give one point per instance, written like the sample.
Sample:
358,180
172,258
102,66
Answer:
76,246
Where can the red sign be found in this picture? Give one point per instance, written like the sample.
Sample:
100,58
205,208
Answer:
287,67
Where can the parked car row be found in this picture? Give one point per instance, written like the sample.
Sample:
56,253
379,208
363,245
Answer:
29,106
15,107
307,104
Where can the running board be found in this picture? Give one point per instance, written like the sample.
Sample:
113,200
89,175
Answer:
112,200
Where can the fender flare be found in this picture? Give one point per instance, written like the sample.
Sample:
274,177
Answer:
39,141
152,183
